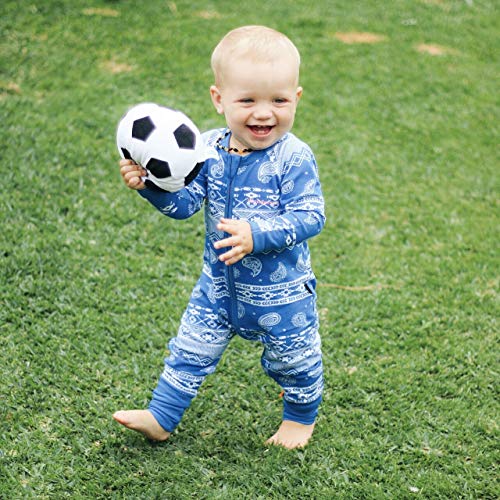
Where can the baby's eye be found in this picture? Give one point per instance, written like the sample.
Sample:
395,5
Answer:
246,100
280,100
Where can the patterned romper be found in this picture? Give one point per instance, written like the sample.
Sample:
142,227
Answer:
269,296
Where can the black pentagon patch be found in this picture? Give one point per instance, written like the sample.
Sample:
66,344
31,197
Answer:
196,170
185,137
142,128
126,154
159,168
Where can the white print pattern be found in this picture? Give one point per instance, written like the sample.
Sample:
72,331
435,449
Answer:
287,187
211,294
311,220
267,171
182,381
299,319
303,265
217,169
305,395
213,257
279,274
298,159
267,321
241,310
254,264
169,209
270,296
310,187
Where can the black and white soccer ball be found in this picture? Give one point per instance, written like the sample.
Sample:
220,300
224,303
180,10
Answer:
165,142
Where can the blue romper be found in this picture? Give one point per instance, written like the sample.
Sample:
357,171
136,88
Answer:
269,296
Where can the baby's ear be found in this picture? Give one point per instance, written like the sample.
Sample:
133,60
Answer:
216,99
299,93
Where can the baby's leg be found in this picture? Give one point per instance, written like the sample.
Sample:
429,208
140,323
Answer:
194,353
296,364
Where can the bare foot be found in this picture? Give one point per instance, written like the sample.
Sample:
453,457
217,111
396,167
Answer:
142,421
292,435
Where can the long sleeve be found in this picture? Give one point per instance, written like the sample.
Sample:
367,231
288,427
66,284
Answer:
181,204
302,201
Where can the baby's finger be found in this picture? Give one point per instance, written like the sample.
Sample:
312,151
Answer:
124,162
136,183
132,169
227,225
227,242
128,176
233,256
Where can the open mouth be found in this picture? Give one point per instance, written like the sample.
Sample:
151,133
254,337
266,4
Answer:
260,130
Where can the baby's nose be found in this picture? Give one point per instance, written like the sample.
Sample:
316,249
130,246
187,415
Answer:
262,112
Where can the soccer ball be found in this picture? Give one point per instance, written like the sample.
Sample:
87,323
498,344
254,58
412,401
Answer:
163,141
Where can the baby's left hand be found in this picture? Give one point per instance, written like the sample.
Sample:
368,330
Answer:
240,240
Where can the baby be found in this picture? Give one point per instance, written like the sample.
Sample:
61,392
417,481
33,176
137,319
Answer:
263,201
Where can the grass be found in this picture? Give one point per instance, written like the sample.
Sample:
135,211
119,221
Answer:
94,281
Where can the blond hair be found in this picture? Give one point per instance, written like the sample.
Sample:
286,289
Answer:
259,43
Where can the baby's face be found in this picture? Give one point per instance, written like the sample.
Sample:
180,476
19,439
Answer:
258,100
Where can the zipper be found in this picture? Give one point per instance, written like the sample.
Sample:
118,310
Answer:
228,214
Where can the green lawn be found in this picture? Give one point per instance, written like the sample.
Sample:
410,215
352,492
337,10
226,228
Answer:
94,280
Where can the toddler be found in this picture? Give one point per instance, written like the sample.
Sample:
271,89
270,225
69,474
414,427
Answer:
262,199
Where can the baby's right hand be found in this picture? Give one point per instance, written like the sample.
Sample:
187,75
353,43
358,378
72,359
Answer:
131,174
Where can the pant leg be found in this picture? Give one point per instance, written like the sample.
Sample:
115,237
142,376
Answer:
293,359
194,354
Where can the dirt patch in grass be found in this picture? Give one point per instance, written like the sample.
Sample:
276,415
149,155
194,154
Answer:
208,14
8,89
434,50
442,4
105,12
359,37
115,67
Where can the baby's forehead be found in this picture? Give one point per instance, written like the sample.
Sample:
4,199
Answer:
255,57
265,49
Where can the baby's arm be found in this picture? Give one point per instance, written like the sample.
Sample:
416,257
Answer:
179,205
303,207
131,174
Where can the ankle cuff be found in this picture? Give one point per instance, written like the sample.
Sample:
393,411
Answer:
301,413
